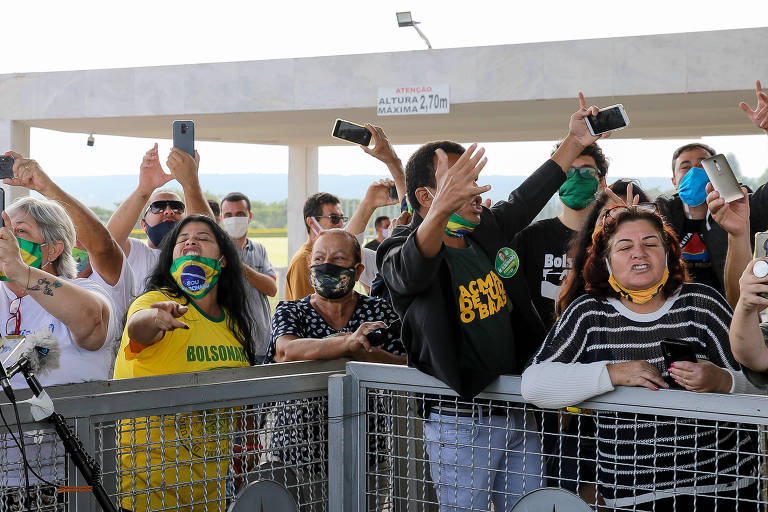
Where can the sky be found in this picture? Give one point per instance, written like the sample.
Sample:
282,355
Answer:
54,35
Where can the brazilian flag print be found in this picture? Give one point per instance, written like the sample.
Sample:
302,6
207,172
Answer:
195,275
31,254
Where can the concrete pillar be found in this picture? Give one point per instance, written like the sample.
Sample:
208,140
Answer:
14,136
302,183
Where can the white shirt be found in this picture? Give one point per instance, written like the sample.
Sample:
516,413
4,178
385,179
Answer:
76,364
122,295
370,269
142,260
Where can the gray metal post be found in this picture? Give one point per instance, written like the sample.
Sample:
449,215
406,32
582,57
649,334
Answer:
343,439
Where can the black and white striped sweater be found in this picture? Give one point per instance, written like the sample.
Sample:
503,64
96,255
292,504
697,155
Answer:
636,453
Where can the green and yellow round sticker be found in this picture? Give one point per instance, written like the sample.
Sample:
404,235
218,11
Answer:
507,262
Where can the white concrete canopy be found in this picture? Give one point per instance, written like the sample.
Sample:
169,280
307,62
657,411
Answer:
674,86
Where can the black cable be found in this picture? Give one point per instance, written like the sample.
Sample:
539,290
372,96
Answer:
23,452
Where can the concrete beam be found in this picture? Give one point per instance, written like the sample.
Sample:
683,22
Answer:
674,85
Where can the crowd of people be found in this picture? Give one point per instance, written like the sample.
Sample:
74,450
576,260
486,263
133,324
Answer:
462,290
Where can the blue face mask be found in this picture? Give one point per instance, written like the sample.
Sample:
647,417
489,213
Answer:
157,233
693,187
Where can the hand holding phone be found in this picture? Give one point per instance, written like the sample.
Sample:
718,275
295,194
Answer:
184,136
722,177
608,119
380,336
351,132
675,350
6,166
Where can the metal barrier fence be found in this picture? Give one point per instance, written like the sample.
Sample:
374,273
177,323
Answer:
180,442
387,438
409,446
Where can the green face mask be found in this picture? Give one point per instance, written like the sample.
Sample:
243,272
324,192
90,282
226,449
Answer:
579,188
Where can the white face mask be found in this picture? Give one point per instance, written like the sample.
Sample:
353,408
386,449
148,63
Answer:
236,227
385,233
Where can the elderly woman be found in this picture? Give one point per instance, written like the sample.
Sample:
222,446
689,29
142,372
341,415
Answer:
637,296
40,291
333,322
191,318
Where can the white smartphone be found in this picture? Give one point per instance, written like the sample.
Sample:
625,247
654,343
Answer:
608,119
721,175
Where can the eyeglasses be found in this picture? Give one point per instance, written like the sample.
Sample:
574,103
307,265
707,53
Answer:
614,211
160,206
15,312
335,219
586,171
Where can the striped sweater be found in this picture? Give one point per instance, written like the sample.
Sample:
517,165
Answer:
639,455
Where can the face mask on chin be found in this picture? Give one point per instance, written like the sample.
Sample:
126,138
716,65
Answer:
157,232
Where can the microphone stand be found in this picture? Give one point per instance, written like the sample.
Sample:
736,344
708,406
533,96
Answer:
87,466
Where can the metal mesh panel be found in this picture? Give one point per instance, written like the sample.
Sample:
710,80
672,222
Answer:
428,452
46,459
200,460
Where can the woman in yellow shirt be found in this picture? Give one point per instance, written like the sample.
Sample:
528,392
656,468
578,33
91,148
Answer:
191,318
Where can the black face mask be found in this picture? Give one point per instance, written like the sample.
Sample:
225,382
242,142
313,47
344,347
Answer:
332,281
157,232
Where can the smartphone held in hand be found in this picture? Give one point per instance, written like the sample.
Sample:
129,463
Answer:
6,166
351,132
722,177
184,136
608,119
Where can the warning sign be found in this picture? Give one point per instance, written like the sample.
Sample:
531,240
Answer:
414,100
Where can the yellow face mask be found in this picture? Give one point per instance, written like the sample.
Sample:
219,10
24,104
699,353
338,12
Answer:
637,296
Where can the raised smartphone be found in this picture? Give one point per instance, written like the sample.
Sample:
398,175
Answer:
6,166
761,244
351,132
721,175
392,192
184,136
608,119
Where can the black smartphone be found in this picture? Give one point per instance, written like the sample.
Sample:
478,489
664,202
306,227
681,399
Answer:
351,132
608,119
6,166
393,192
675,350
184,136
379,336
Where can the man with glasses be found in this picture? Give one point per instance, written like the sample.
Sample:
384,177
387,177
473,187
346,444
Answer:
542,247
160,210
321,211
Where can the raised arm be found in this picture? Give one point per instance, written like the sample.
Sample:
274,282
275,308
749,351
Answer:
747,340
104,253
184,168
733,217
151,177
456,185
377,195
85,313
759,116
383,150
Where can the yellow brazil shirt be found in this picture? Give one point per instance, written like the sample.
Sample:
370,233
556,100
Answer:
177,461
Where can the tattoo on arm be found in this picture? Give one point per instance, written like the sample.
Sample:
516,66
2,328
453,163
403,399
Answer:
45,286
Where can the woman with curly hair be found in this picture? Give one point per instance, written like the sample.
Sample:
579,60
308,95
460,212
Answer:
637,295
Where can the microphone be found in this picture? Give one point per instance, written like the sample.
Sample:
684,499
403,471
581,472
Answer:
38,354
6,384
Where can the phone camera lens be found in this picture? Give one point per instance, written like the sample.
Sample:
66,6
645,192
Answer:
183,127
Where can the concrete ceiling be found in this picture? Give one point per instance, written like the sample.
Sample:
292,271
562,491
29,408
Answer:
651,116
